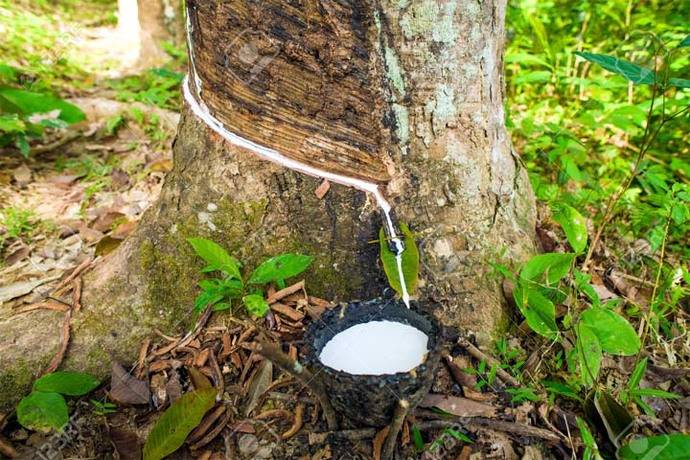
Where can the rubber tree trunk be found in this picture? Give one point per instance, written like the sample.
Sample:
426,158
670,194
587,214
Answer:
405,94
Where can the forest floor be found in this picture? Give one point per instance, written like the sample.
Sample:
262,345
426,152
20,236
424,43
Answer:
83,189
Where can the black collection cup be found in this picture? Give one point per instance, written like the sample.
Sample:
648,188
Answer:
371,399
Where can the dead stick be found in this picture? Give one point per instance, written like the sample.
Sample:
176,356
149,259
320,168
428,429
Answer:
481,356
350,435
7,450
60,355
83,266
282,360
496,425
401,410
76,294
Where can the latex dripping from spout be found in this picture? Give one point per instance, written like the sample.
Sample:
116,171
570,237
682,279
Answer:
397,247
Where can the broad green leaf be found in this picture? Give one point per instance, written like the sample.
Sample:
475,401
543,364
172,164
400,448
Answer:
679,82
27,103
589,354
553,266
539,311
574,226
582,282
8,73
43,411
217,258
685,42
614,332
630,71
11,123
409,261
67,383
664,447
177,422
280,268
256,305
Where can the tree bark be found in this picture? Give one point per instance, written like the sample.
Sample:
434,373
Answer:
406,94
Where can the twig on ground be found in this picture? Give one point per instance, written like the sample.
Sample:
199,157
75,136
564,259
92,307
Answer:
297,424
76,272
76,294
66,139
7,450
349,435
492,424
60,355
401,410
282,360
47,305
480,355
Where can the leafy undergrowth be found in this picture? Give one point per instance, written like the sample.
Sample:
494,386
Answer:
598,105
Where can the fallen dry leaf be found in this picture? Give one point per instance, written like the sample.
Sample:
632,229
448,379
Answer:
462,407
127,443
126,389
258,384
322,189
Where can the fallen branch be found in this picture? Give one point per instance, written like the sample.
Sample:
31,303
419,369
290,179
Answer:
282,360
349,435
401,410
481,356
492,424
47,305
60,355
7,450
76,272
297,424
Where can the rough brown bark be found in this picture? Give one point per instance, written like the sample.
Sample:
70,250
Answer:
418,102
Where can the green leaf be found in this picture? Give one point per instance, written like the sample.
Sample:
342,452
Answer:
409,261
654,393
630,71
43,411
574,226
256,305
217,258
553,266
177,422
685,42
561,389
663,447
11,123
280,268
67,383
589,354
586,434
23,145
614,332
538,310
27,103
417,439
679,82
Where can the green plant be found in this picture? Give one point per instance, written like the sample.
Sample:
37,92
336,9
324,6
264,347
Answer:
45,408
16,223
171,430
221,292
633,391
409,261
102,408
159,87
